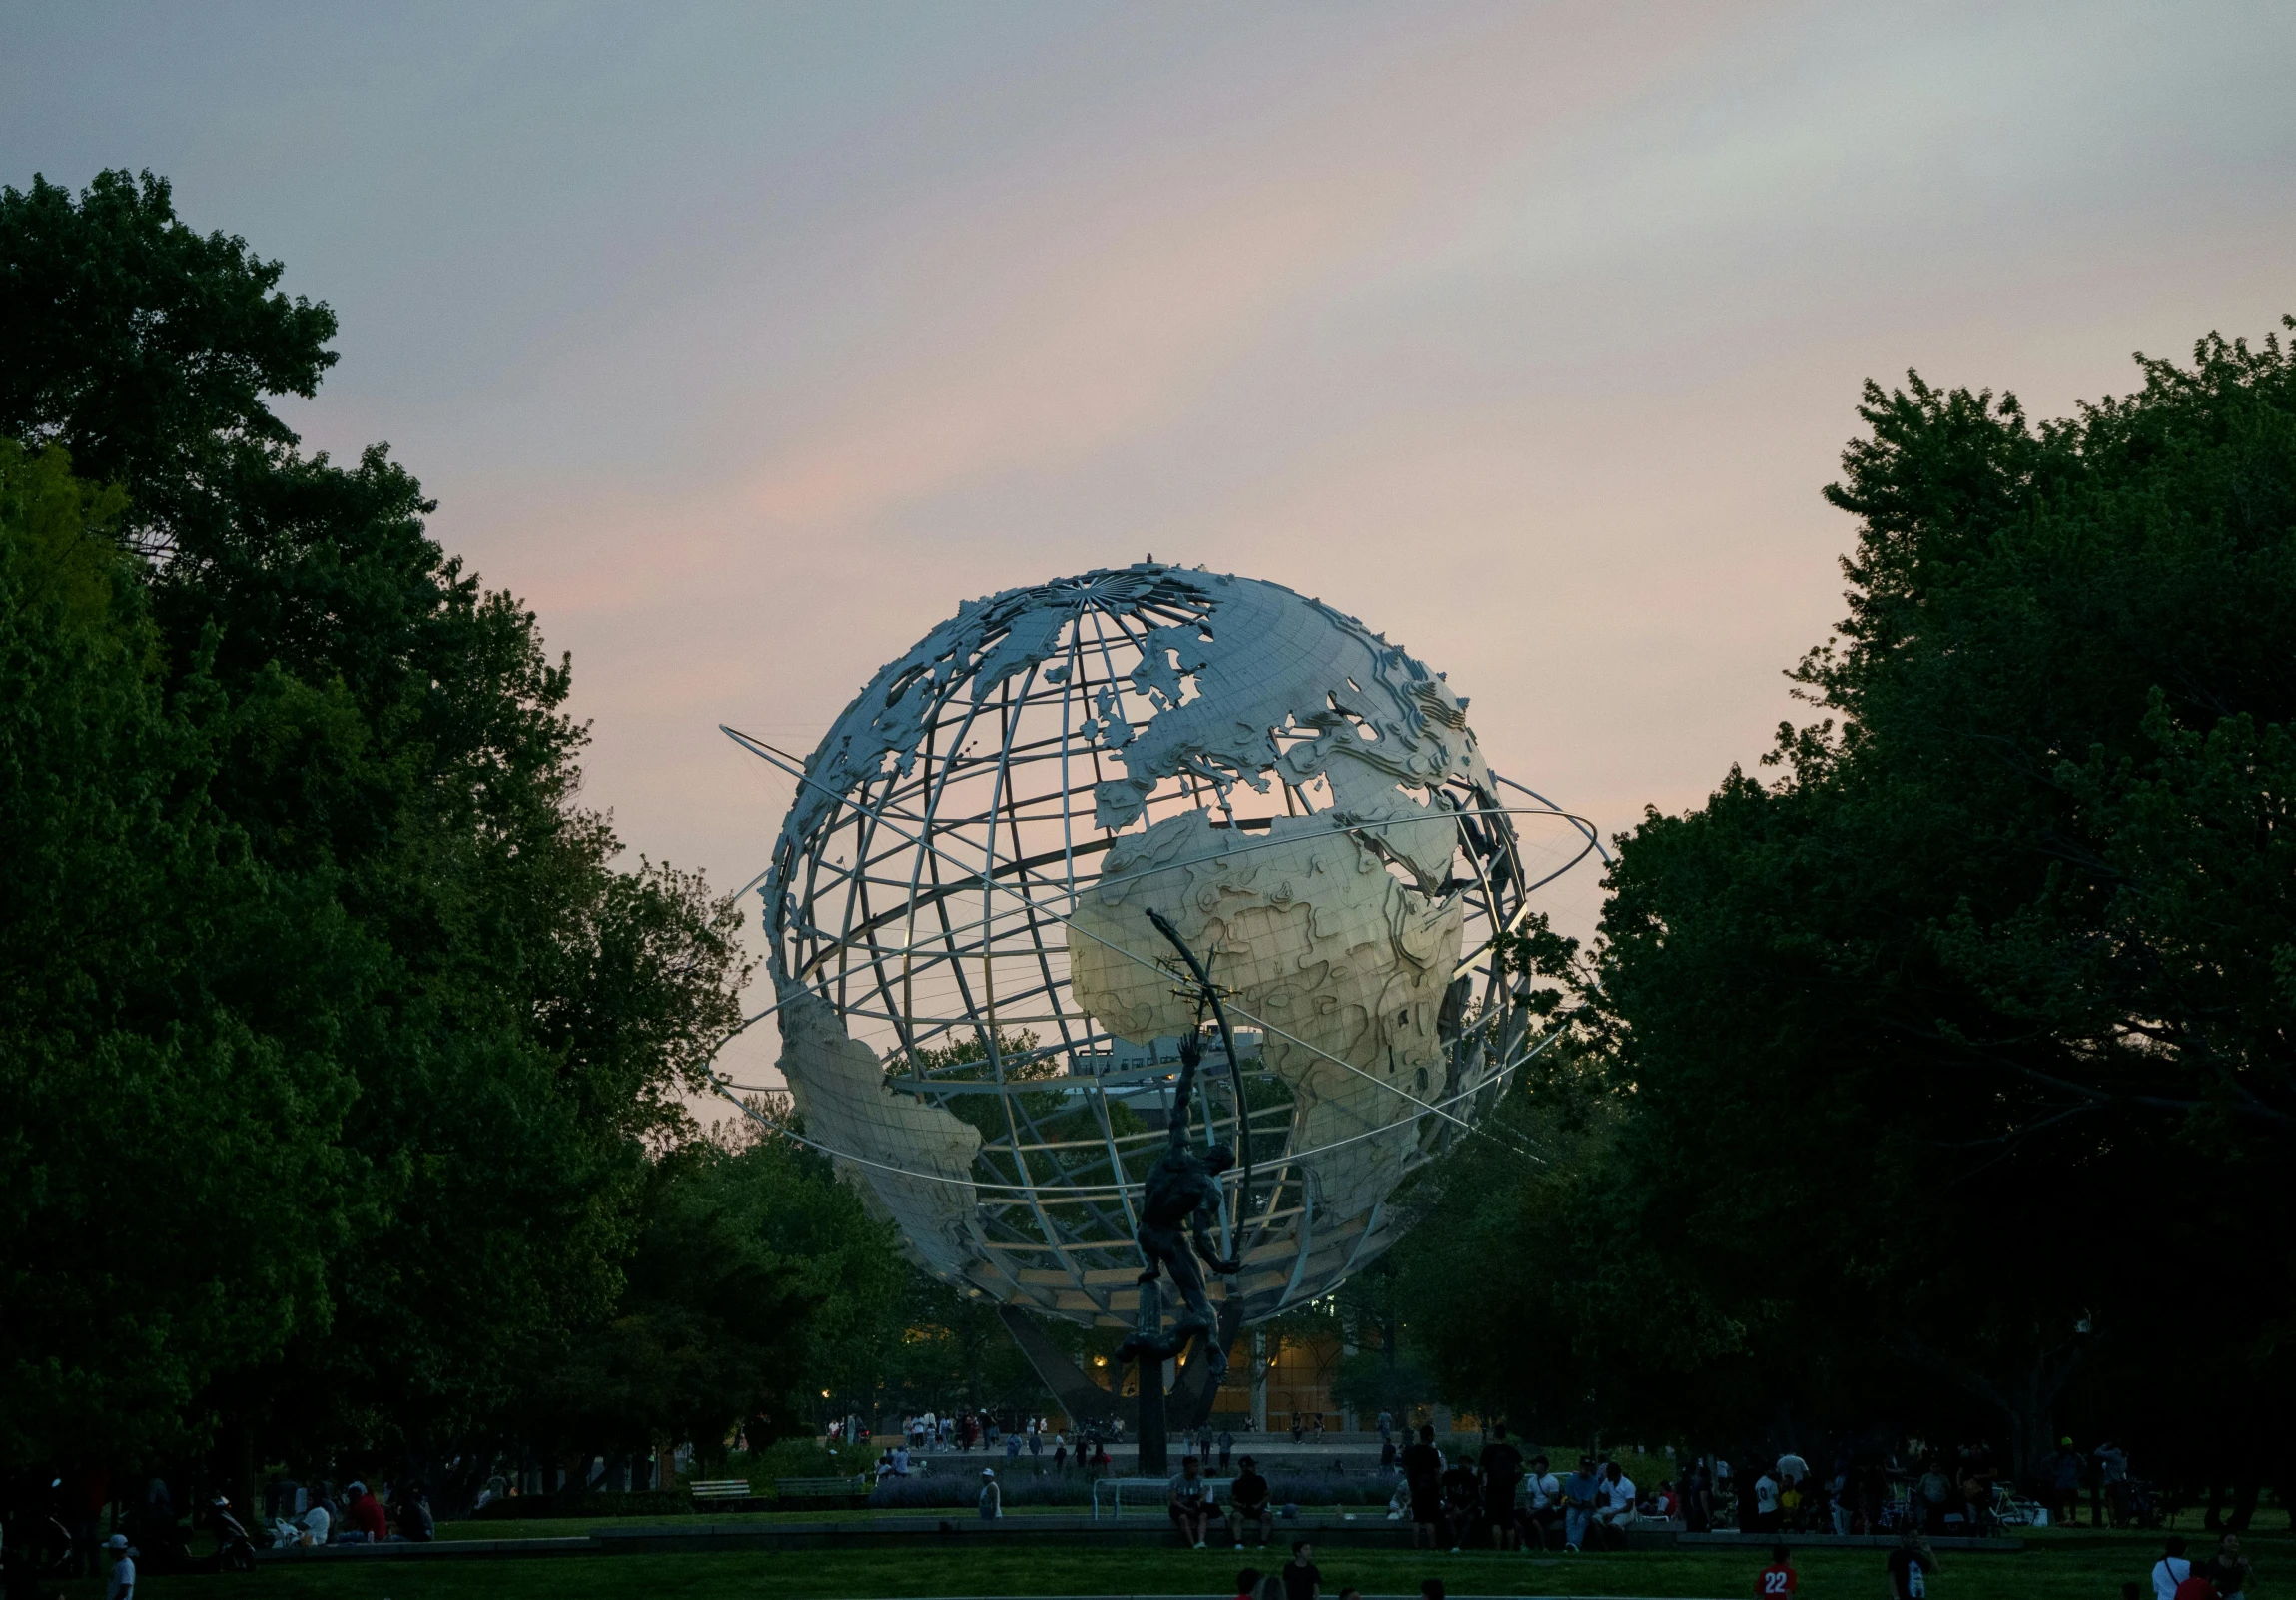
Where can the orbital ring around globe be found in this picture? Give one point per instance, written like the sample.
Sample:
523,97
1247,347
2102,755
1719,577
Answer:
981,1025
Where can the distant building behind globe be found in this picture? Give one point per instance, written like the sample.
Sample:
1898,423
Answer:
981,1024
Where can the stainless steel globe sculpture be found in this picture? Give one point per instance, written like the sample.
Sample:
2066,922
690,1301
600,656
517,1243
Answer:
981,1024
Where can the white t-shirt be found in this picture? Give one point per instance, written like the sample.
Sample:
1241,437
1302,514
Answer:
1792,1467
2167,1573
1616,1497
1543,1488
316,1520
1765,1493
122,1582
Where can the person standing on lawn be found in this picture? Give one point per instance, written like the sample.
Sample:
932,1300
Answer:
1502,1470
1777,1580
992,1497
1423,1472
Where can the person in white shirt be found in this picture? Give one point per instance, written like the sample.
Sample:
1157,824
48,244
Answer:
992,1497
122,1582
1542,1504
315,1522
1792,1469
1614,1503
1765,1504
2171,1570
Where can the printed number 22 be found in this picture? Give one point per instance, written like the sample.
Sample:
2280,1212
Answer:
1774,1583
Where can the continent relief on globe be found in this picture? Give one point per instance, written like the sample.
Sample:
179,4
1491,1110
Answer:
1329,953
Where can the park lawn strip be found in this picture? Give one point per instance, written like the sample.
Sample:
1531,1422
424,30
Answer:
2068,1569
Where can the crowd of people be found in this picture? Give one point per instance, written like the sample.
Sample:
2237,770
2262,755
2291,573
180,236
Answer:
299,1514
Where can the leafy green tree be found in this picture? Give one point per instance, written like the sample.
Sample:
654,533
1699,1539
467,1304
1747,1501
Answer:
1981,1000
755,1273
501,1019
169,1087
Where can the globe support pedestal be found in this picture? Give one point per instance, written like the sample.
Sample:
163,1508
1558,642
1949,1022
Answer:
1155,1458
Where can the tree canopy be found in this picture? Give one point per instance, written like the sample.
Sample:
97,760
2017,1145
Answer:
345,1057
1927,1075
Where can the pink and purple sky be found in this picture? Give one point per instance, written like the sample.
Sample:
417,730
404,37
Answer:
744,342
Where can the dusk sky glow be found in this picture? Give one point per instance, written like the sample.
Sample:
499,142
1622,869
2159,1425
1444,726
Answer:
743,342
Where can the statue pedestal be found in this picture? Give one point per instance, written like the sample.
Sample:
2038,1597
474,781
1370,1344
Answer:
1155,1458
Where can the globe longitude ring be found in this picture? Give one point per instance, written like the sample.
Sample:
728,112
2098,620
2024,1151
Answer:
982,1023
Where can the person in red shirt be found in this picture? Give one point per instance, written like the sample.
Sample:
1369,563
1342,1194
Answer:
365,1515
1776,1578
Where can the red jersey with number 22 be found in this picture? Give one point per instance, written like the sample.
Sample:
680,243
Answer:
1776,1579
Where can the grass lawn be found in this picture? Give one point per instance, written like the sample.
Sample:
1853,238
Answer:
2072,1566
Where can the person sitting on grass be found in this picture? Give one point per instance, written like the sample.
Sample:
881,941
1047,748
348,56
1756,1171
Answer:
1247,1502
1187,1501
1303,1580
1778,1578
1247,1584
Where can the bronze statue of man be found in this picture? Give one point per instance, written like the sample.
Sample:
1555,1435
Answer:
1182,1192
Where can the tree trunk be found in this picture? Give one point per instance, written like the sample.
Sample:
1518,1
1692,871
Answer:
2248,1483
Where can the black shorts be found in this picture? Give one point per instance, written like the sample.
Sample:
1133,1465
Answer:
1500,1508
1179,1511
1427,1505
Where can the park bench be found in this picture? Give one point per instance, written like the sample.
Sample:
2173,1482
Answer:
719,1489
855,1488
1215,1493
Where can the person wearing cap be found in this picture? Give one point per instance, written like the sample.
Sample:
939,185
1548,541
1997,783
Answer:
2065,1484
1247,1504
123,1581
992,1497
